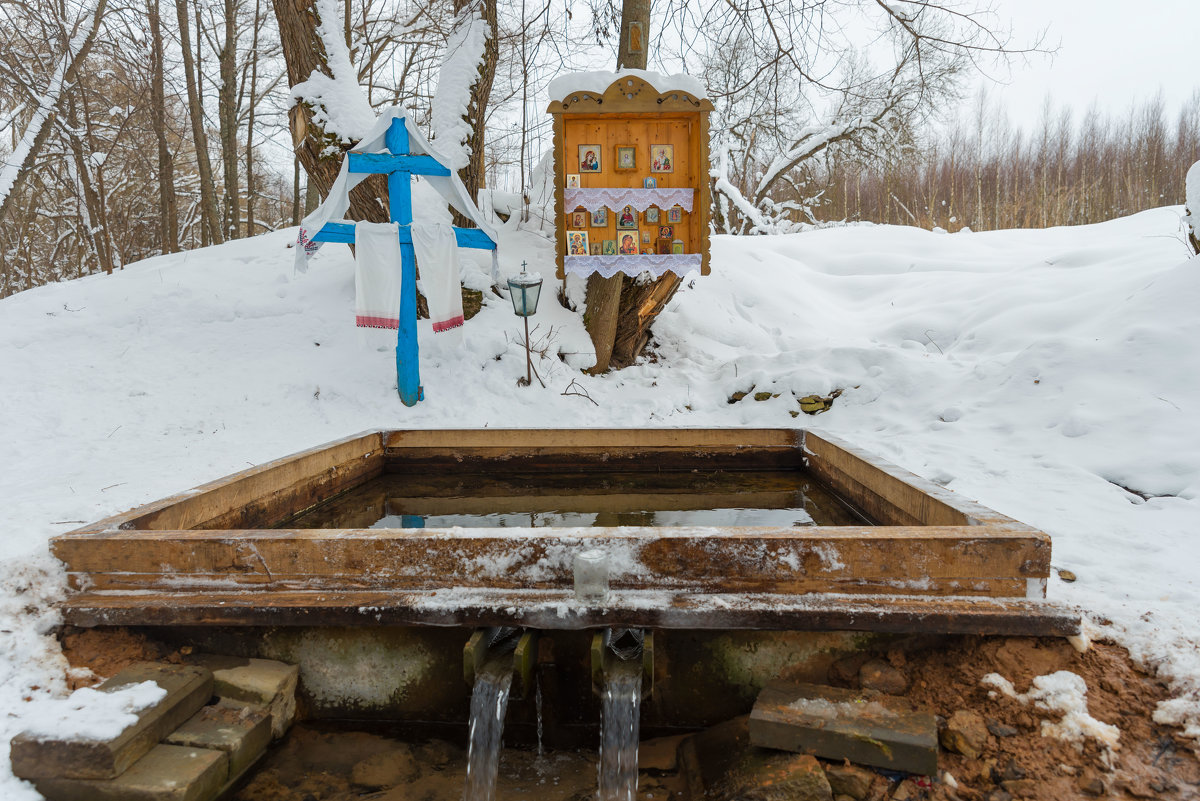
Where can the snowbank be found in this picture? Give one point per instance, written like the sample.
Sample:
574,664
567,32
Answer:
1051,375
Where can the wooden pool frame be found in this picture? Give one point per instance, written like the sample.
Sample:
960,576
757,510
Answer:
936,563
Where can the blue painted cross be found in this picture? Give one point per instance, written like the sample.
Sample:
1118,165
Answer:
400,166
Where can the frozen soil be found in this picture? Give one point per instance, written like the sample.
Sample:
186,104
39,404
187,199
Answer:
944,677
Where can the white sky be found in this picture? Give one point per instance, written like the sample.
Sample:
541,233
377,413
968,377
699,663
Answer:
1114,51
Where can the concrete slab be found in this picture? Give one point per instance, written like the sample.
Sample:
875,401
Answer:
879,730
242,731
166,773
259,681
188,688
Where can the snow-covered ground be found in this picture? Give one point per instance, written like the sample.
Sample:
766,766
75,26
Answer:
1048,374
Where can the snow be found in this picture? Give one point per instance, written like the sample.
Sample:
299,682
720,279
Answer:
460,70
1063,692
1047,374
1192,194
597,82
339,104
89,714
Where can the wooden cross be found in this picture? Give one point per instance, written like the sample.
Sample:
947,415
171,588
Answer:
400,166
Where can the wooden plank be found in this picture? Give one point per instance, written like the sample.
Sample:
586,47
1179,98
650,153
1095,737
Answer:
889,494
909,560
188,688
833,723
558,610
387,163
616,438
275,489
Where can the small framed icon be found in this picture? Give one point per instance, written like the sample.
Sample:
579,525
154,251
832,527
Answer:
600,217
589,158
572,180
627,218
663,246
645,237
665,232
662,158
629,245
577,243
579,219
610,247
650,183
626,158
650,216
596,248
675,214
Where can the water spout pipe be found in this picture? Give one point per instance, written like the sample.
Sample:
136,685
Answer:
486,644
613,646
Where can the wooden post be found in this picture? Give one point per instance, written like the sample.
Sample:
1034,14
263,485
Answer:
408,374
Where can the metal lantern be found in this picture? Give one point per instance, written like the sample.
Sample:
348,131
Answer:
524,290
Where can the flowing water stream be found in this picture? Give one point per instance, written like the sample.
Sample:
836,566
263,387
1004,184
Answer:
620,710
489,701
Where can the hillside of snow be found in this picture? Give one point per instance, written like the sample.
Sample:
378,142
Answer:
1052,375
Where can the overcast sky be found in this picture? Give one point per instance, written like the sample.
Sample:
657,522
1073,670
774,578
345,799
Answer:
1115,51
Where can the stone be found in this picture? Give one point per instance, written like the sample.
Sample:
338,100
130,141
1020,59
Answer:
188,688
998,729
880,676
844,672
1020,788
965,734
844,798
242,731
1091,784
720,764
999,794
437,753
1010,772
881,731
387,769
850,780
1066,575
259,681
906,791
166,773
661,753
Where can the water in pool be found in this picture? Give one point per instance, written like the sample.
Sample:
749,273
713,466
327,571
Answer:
783,498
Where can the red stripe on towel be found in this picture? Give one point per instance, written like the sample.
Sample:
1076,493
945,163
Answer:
367,321
446,325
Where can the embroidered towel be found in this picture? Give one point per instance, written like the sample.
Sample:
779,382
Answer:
377,275
437,258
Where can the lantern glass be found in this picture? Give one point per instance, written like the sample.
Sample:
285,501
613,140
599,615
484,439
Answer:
525,290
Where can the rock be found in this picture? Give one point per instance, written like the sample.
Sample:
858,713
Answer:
849,780
661,753
999,794
1010,772
844,672
1091,783
386,769
764,396
437,753
844,798
965,734
1020,788
998,729
880,676
720,764
1066,575
907,790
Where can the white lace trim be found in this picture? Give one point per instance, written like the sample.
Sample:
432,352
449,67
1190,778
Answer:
654,263
640,199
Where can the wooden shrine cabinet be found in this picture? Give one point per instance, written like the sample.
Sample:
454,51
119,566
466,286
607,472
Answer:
613,139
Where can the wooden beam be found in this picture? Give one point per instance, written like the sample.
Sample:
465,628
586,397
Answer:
385,163
343,232
557,610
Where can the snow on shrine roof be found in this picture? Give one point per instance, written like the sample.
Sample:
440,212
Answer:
597,82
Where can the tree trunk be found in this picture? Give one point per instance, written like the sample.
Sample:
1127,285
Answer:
481,91
42,123
168,208
619,310
208,193
227,115
303,51
250,122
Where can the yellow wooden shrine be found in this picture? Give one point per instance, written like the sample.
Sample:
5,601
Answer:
612,132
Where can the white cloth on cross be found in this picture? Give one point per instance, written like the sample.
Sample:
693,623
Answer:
437,258
377,275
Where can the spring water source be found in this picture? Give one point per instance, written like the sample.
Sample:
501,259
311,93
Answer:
784,498
489,702
620,711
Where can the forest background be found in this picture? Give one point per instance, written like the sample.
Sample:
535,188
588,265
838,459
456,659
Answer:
133,129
